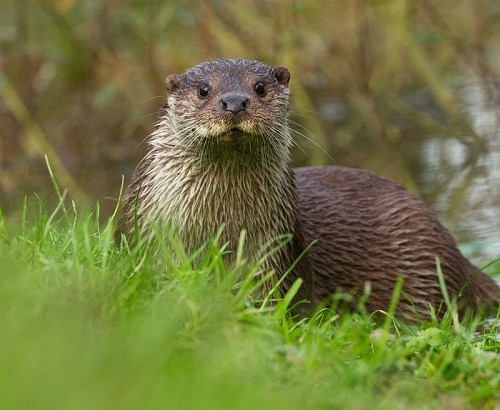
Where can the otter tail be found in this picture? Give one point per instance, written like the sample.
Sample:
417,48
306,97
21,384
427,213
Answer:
483,293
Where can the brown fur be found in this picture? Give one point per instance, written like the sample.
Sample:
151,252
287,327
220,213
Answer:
370,229
222,159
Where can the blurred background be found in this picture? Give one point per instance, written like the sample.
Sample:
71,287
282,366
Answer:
409,89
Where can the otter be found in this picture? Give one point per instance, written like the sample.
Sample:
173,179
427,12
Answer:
220,157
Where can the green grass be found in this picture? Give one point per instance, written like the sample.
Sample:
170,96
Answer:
85,325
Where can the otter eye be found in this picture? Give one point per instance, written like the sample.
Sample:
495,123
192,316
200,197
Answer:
204,90
260,89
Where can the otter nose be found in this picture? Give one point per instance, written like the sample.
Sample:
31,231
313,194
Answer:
234,103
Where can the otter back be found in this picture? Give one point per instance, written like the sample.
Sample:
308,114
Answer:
371,230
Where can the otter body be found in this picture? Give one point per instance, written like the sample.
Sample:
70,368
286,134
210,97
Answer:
219,157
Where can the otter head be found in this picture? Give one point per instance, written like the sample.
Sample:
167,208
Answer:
231,109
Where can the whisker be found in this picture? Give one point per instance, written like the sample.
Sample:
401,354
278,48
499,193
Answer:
296,132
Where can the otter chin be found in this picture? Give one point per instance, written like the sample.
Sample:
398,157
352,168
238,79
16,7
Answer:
235,134
219,156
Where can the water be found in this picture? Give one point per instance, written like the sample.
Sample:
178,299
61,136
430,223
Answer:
466,177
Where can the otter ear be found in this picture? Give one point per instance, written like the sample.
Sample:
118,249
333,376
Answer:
282,75
173,82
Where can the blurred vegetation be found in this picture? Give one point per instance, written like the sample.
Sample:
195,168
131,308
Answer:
86,325
81,81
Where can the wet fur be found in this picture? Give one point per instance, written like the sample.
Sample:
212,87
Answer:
371,230
208,168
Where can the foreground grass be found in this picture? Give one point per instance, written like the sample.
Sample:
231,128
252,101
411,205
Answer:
86,325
